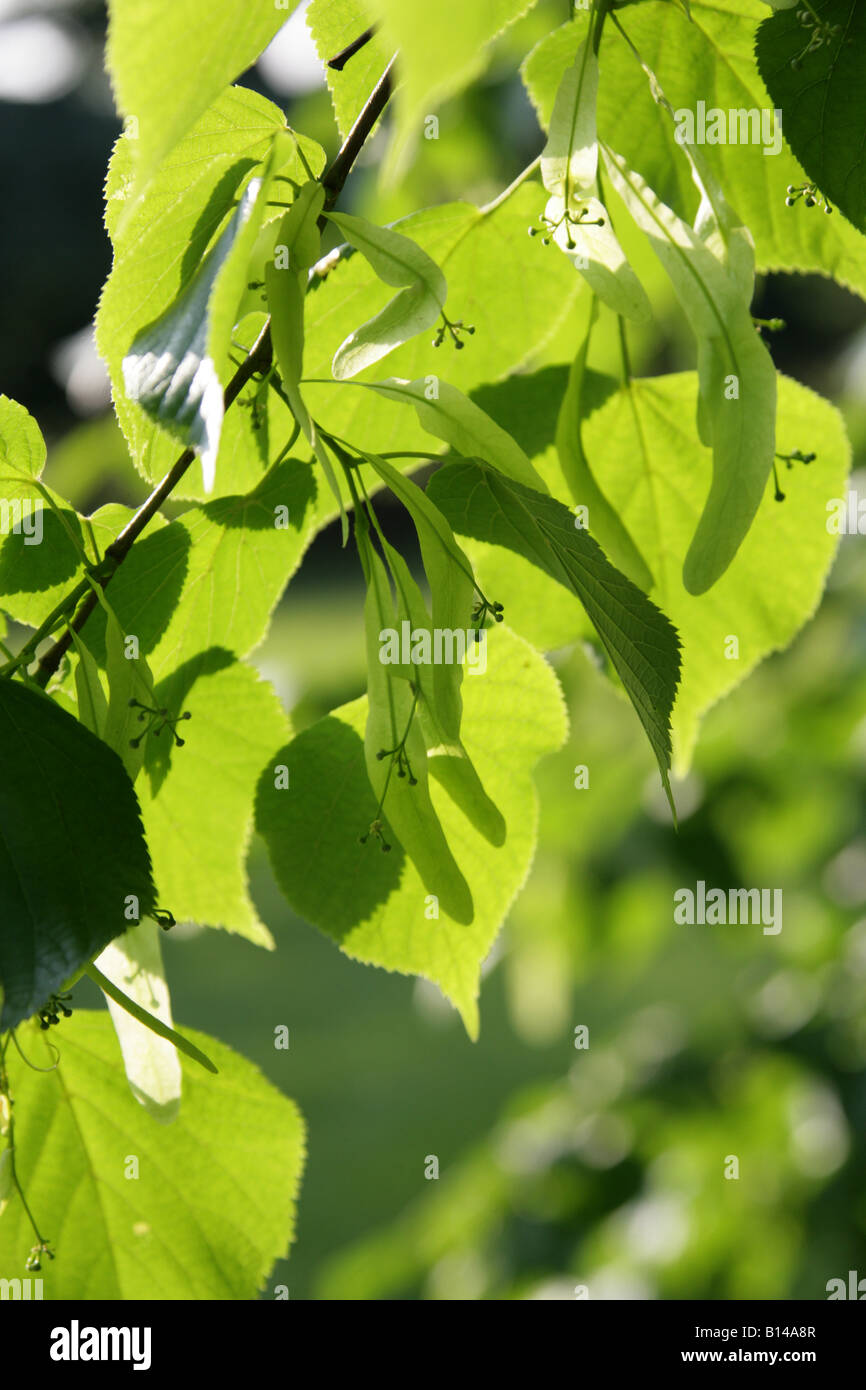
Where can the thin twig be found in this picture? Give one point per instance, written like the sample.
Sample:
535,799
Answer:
258,360
337,174
340,59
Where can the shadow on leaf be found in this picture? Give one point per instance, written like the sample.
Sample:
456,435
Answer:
312,830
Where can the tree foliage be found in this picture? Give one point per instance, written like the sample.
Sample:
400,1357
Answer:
272,388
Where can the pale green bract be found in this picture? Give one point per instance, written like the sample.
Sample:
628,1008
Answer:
447,759
397,260
569,160
129,679
709,55
449,574
447,414
396,759
169,370
133,962
603,521
296,252
575,217
738,379
157,251
594,251
487,259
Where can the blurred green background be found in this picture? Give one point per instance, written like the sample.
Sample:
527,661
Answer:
558,1167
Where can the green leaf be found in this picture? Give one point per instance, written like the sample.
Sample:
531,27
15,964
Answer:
41,542
169,59
375,905
334,24
211,1237
22,447
738,379
72,851
156,254
536,606
638,638
397,261
133,962
213,577
655,473
712,55
820,93
447,414
442,48
41,552
196,801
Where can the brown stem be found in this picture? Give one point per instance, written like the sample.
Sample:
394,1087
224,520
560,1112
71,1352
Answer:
337,174
258,360
340,59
